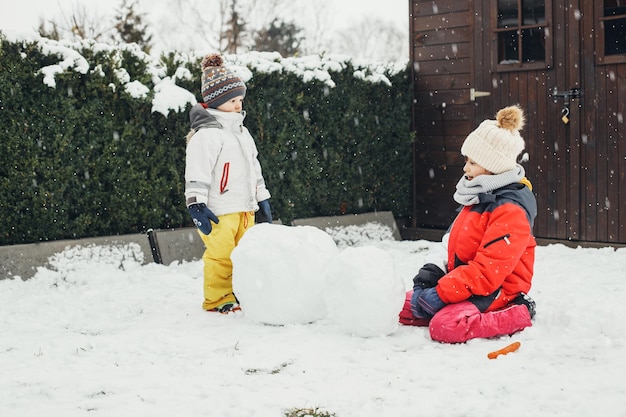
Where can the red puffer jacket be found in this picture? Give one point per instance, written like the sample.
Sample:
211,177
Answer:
491,250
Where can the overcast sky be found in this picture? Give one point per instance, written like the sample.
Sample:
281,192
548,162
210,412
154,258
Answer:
24,15
327,24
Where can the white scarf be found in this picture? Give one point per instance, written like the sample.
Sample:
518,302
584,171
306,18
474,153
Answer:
467,191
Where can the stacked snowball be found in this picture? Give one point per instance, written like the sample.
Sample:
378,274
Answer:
296,275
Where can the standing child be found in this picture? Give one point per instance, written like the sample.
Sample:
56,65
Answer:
475,284
224,185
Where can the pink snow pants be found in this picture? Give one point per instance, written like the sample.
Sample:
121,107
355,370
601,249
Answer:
460,322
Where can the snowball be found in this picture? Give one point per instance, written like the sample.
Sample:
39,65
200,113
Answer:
278,273
364,294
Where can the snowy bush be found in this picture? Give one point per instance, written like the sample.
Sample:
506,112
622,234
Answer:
93,139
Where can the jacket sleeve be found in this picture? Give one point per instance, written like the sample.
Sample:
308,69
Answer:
202,152
507,235
262,192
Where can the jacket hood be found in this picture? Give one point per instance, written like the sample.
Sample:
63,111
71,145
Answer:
520,194
200,117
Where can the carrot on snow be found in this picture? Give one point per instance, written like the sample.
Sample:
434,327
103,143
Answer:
507,349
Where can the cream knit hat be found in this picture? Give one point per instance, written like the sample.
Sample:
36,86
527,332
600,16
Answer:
495,144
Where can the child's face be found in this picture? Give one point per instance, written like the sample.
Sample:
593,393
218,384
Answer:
472,169
234,105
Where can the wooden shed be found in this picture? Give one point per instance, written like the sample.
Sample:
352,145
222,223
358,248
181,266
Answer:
564,62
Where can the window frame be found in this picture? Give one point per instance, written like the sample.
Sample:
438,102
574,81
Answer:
522,66
599,19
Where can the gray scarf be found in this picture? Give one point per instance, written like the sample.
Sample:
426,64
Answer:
467,192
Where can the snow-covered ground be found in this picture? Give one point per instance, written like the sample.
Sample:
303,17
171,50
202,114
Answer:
99,334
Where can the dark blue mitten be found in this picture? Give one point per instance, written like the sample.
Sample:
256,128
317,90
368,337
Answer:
202,217
415,308
430,302
425,303
264,215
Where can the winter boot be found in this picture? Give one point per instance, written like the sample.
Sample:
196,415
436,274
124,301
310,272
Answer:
524,299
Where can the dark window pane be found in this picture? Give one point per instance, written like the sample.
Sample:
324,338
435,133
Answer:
615,37
507,13
614,7
508,47
534,12
533,45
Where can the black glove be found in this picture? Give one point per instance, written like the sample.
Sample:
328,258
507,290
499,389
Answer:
428,276
202,217
264,214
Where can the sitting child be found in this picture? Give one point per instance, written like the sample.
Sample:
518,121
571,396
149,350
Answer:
475,285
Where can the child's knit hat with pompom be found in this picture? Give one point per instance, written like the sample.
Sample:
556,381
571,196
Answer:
496,144
219,84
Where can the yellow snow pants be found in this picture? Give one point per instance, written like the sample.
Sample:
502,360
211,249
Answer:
218,268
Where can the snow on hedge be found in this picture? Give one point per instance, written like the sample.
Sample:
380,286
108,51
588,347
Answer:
170,97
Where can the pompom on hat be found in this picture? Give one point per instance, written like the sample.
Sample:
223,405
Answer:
219,84
496,144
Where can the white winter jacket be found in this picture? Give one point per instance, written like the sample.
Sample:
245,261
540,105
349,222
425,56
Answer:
222,169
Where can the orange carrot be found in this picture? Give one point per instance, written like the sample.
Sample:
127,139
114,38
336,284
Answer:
508,349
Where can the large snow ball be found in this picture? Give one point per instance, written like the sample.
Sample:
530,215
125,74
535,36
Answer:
278,273
364,294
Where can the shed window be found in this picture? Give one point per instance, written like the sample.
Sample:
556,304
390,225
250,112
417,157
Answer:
614,22
522,33
610,31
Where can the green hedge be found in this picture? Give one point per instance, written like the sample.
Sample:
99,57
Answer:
83,157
